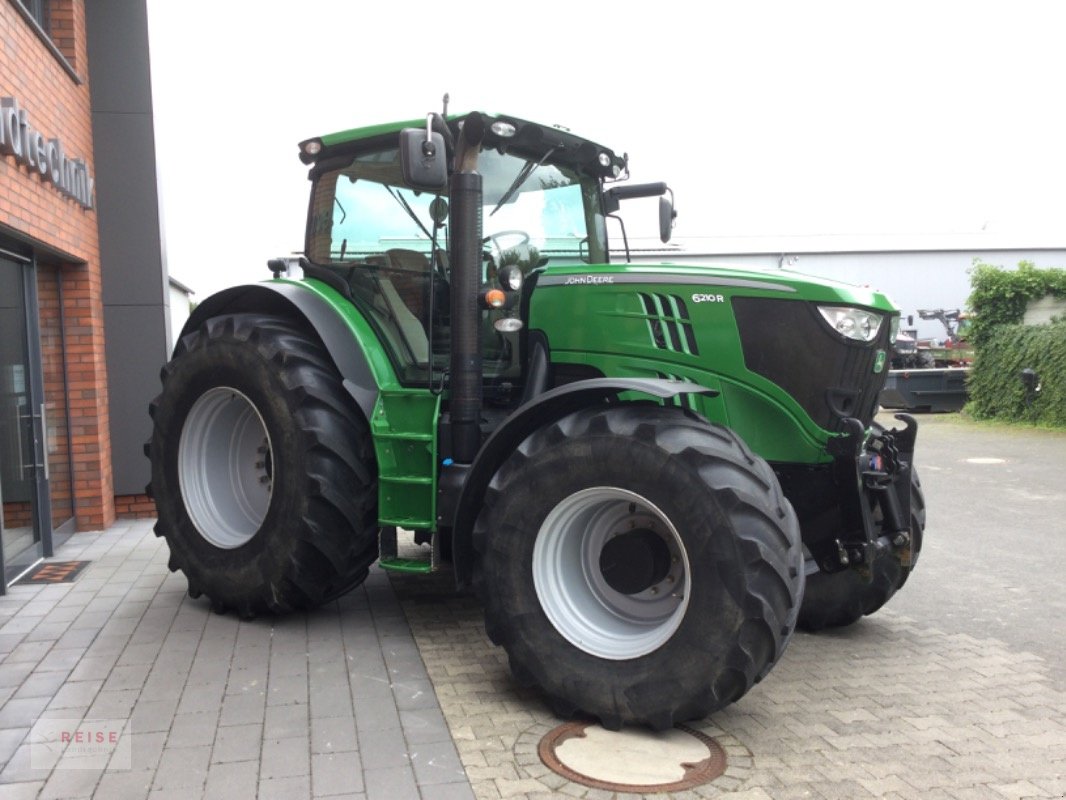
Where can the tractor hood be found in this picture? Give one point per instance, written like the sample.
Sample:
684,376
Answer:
706,279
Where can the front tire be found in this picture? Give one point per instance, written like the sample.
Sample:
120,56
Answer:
638,564
262,468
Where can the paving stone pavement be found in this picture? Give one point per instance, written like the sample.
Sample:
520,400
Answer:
883,709
395,691
333,704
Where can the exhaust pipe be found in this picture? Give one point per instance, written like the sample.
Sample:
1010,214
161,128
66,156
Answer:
465,225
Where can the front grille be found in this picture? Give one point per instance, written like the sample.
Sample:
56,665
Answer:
668,323
788,342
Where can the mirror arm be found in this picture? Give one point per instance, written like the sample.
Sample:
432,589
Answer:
625,238
440,125
613,196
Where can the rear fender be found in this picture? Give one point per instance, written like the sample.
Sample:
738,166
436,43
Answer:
291,301
462,488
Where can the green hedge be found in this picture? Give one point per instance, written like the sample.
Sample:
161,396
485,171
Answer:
996,390
999,296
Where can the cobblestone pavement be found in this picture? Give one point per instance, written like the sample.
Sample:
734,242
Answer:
961,697
331,704
884,709
395,691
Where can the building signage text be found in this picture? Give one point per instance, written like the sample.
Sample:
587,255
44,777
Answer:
46,157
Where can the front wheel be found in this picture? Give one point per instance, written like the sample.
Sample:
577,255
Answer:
262,468
638,564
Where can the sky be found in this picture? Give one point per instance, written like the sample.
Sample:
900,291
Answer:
765,118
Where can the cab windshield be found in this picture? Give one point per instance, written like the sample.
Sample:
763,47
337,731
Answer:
531,211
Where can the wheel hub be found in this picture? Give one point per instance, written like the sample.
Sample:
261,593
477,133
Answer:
634,561
225,467
611,573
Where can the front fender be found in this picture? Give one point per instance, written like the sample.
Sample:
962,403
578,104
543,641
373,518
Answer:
292,300
462,489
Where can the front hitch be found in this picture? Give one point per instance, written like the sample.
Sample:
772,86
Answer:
889,480
872,472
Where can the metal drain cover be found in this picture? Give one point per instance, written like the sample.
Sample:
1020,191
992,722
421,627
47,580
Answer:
632,760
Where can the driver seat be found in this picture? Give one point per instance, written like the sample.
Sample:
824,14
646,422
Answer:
409,273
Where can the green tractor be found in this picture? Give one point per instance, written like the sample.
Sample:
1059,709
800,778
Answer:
649,474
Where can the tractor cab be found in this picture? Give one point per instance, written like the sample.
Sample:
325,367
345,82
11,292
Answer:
387,245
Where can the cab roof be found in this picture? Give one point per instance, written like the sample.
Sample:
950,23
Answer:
528,138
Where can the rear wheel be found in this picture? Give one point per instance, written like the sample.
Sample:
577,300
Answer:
833,600
262,468
639,565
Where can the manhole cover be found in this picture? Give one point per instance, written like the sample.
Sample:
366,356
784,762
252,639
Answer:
632,760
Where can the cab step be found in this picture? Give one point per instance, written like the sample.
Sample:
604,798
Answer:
416,559
417,566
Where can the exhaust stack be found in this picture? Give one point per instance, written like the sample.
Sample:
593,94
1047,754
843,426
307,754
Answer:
466,254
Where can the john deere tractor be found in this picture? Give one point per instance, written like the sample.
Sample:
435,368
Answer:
649,474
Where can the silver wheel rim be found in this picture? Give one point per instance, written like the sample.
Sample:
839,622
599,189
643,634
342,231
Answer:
573,591
225,465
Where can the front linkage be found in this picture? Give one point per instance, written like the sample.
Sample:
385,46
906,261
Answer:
873,471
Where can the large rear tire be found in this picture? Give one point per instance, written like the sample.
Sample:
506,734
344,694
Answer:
262,468
638,564
833,600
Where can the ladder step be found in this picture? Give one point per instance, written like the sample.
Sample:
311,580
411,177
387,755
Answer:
416,566
412,480
411,437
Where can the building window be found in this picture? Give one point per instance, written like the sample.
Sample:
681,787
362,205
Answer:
38,9
53,21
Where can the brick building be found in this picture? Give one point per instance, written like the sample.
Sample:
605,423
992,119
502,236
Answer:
83,287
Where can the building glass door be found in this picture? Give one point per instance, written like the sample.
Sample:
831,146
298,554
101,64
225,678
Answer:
23,471
57,439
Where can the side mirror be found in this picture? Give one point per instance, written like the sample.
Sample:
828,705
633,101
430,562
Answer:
667,215
423,159
438,210
612,201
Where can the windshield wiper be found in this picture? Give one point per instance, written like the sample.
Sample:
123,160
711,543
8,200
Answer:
523,175
399,198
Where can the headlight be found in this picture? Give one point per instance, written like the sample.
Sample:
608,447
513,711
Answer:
510,277
854,323
893,332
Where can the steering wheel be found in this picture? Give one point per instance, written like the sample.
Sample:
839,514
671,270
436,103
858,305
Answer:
494,239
